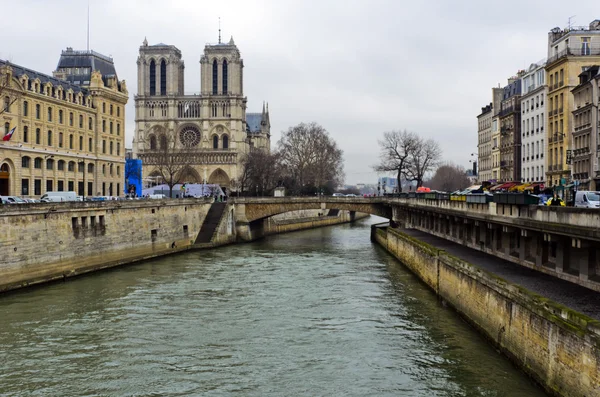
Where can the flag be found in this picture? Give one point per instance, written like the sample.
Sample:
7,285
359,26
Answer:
9,134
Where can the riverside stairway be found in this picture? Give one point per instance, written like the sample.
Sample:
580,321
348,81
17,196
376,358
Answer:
211,223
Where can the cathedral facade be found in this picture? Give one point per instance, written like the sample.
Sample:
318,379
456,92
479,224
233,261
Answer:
206,134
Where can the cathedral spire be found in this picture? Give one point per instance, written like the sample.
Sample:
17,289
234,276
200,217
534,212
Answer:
145,43
219,30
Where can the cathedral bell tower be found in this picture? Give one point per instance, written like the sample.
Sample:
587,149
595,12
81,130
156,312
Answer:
221,70
160,70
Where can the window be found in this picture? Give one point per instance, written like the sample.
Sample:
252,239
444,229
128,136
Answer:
104,146
71,166
60,116
49,185
70,141
25,108
225,77
90,123
152,142
118,111
25,134
163,77
49,138
37,163
215,142
103,169
49,164
585,46
90,168
215,78
118,170
110,127
60,186
38,111
25,162
90,145
80,143
60,165
225,142
103,107
7,104
71,119
111,147
80,121
118,129
6,128
24,187
103,125
60,139
118,149
49,114
38,136
111,109
163,142
152,77
37,187
81,167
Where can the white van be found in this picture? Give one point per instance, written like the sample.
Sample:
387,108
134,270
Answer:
57,197
157,196
586,199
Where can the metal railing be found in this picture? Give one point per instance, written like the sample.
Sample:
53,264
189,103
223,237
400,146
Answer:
587,51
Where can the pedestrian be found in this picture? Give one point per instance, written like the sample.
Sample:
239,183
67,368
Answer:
556,201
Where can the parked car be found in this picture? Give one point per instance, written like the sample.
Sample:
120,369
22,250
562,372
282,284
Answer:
587,199
13,200
338,195
351,195
157,196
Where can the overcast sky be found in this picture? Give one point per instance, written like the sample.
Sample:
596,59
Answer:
356,67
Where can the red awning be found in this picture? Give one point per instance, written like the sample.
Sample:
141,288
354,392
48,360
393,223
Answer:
504,186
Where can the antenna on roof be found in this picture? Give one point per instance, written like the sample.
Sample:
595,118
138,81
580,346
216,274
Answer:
219,30
569,23
88,27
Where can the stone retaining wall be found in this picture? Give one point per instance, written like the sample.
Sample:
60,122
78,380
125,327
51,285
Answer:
555,345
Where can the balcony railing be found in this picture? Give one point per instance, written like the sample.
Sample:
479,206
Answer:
579,52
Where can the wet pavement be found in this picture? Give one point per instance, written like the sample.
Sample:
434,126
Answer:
561,291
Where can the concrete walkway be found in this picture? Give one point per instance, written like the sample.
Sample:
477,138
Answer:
571,295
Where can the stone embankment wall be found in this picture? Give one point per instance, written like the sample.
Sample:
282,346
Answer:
555,345
46,242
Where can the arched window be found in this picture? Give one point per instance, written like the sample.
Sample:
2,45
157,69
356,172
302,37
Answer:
25,162
152,142
49,164
163,77
215,142
152,77
71,166
90,168
163,142
60,165
225,77
37,163
225,142
215,78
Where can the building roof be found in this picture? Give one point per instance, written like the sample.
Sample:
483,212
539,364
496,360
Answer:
85,59
44,78
253,121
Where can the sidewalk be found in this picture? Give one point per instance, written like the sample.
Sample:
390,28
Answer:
571,295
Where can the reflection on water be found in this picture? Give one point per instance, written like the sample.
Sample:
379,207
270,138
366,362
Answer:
316,313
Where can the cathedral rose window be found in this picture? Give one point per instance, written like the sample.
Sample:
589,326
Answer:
190,136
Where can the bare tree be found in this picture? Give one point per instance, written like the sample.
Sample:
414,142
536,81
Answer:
397,148
9,93
311,159
449,178
424,158
261,172
169,161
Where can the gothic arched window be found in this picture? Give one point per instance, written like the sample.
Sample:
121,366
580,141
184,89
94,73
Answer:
152,77
215,78
225,142
163,142
215,142
163,77
152,142
225,77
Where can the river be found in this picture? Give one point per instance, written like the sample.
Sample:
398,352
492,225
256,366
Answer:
323,312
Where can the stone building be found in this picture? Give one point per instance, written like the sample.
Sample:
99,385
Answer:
586,141
207,133
569,51
488,131
68,128
510,131
533,113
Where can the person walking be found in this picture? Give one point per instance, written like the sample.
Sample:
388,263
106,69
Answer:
556,201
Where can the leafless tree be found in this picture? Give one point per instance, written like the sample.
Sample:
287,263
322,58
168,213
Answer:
397,148
311,159
9,93
169,161
424,158
449,178
261,172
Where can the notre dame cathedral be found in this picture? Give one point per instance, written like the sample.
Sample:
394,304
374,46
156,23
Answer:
209,130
